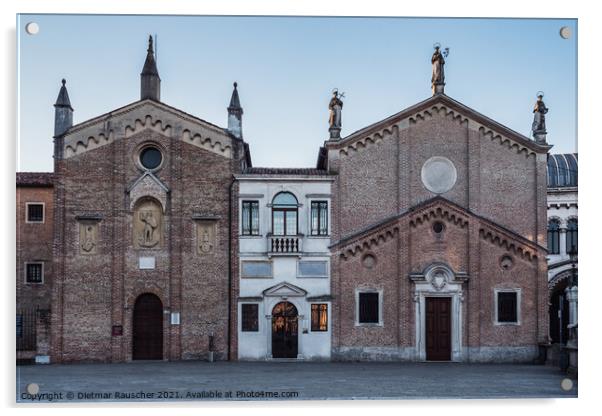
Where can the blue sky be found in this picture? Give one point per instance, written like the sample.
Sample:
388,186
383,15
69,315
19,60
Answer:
286,68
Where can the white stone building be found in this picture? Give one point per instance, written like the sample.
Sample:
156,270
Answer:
562,237
284,302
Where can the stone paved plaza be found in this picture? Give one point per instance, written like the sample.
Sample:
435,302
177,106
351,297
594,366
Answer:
158,381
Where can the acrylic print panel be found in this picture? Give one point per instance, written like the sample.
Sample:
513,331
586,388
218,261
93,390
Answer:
152,163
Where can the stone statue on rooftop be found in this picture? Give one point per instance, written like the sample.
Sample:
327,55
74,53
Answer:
334,120
438,62
539,119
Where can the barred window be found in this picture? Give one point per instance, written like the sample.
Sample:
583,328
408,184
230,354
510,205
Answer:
319,218
250,217
553,237
507,307
250,314
35,212
368,308
34,273
319,317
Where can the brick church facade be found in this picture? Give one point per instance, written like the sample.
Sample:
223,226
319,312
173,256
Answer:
420,237
439,221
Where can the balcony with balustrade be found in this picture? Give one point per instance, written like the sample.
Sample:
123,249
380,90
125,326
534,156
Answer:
285,245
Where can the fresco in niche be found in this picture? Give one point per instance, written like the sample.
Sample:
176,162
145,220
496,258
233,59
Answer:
147,224
88,237
205,237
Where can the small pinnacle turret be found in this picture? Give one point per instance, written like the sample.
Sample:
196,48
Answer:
150,83
63,112
235,114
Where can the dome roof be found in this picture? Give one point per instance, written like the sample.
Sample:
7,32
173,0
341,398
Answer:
562,170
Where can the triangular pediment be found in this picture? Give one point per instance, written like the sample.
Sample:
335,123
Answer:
146,115
442,104
148,185
285,290
437,207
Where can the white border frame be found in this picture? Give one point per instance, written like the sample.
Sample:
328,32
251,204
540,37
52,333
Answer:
518,292
357,307
27,204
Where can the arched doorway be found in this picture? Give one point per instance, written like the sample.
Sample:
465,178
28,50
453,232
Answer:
148,328
559,311
284,331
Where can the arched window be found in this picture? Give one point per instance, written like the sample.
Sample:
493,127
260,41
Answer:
554,237
571,235
284,214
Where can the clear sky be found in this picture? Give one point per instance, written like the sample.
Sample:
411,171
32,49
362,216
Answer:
286,68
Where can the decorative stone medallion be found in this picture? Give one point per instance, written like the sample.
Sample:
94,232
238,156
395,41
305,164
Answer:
88,237
205,237
438,174
369,261
438,279
506,262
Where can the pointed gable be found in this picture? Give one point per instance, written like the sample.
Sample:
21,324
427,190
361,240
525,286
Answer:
423,110
142,115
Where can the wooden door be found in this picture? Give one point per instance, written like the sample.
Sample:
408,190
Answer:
438,329
148,328
284,331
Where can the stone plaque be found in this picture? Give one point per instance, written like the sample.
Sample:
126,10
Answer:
439,174
148,224
205,237
88,237
146,263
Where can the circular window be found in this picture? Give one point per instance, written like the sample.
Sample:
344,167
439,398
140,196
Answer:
151,158
439,174
438,227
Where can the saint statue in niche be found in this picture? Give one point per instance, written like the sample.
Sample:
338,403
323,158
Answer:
147,224
150,224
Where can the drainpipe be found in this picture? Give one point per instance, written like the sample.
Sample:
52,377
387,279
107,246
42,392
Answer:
230,266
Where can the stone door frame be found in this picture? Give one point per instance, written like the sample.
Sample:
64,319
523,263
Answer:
438,280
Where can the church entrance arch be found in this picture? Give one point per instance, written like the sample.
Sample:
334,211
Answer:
148,328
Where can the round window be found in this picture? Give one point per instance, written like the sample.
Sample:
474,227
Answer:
438,227
150,158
